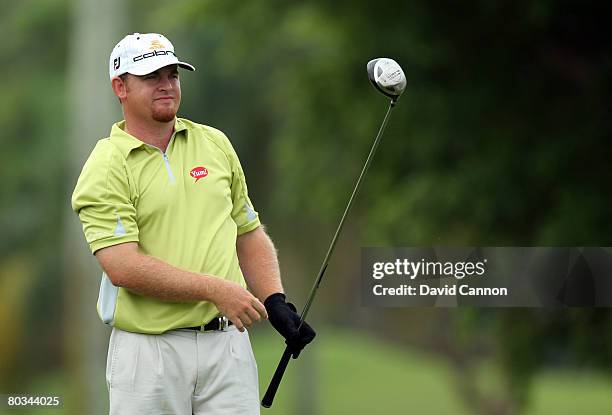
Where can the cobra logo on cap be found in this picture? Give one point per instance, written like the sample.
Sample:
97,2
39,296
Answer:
156,44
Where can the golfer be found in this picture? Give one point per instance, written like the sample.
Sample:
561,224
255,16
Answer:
188,267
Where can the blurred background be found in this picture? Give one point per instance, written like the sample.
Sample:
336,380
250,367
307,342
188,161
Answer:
503,138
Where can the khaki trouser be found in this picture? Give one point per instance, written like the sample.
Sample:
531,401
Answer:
182,372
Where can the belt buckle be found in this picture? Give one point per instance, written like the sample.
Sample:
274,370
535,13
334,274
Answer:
222,323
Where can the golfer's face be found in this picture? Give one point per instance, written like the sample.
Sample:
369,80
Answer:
156,95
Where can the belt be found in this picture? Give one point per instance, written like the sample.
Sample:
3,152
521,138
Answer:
216,324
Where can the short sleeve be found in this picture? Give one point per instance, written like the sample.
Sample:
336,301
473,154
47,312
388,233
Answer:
243,212
102,199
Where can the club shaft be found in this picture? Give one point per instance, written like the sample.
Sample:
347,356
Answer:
282,365
332,246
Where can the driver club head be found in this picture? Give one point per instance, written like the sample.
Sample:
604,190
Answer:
387,76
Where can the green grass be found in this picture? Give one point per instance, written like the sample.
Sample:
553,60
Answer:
570,393
356,373
360,374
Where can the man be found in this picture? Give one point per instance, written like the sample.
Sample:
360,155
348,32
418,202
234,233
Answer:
165,209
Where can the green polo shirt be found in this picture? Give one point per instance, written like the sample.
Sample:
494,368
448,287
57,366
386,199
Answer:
185,206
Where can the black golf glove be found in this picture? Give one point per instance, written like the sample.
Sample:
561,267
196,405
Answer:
286,320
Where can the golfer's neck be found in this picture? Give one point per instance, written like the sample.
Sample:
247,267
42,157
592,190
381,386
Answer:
155,133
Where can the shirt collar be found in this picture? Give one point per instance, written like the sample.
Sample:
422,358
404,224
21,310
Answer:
127,142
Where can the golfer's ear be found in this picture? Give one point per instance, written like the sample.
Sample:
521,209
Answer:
119,87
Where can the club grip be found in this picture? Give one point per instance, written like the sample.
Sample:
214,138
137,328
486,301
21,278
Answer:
268,398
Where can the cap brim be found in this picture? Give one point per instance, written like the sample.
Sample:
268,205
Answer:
187,66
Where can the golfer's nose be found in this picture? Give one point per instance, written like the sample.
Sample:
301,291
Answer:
165,83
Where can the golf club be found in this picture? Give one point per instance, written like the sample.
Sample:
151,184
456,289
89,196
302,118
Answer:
386,76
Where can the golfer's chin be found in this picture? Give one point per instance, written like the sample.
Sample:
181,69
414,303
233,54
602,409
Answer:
164,114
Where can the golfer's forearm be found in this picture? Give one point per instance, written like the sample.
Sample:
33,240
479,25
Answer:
259,263
152,277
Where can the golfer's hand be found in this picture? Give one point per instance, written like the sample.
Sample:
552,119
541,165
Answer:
285,319
237,304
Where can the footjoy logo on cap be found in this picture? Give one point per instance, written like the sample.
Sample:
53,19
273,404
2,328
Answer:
198,173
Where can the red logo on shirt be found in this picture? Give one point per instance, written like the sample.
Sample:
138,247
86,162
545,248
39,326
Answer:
198,173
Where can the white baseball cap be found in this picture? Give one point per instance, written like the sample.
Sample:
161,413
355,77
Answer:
141,54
